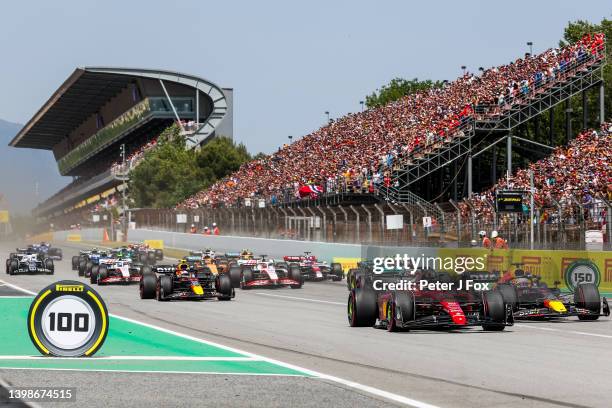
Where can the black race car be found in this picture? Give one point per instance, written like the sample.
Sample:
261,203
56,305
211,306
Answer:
29,261
184,282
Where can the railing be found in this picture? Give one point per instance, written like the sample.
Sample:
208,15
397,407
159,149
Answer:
563,227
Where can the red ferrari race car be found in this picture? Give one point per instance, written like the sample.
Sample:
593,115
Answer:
389,301
267,273
315,270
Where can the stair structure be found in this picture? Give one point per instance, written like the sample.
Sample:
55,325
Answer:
577,77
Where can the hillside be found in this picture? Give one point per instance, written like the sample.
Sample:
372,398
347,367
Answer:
22,169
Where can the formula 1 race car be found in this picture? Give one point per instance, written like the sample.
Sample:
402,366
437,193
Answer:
266,273
29,261
113,270
315,270
386,301
532,299
145,254
86,260
46,249
183,282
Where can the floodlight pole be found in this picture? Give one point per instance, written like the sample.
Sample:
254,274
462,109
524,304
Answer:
509,152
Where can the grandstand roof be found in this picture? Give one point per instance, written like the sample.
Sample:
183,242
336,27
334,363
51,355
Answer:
82,95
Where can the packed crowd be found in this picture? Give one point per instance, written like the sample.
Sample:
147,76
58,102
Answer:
579,173
499,88
367,146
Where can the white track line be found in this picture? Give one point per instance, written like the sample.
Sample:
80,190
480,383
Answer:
580,333
301,298
361,387
130,358
112,370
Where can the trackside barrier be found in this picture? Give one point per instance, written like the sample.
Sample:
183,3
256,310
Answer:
347,263
155,243
73,238
552,265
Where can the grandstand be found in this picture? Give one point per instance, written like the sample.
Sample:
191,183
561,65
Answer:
406,150
97,110
403,157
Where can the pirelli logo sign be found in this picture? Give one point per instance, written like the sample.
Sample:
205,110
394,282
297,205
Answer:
69,288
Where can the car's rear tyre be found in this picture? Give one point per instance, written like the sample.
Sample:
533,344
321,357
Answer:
296,274
145,269
362,307
586,296
509,294
147,286
13,266
495,311
48,263
75,263
159,254
235,276
102,274
151,258
88,267
246,276
93,276
224,286
337,272
82,266
164,287
400,309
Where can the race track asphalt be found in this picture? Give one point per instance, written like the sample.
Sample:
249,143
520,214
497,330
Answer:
544,364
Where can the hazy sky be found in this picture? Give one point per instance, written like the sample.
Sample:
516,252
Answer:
287,61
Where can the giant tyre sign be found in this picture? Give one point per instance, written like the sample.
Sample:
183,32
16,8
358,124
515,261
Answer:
68,319
581,271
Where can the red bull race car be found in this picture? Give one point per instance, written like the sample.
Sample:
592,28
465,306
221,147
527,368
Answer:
185,282
532,299
315,270
390,302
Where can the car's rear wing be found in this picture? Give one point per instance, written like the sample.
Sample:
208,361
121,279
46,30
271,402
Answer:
481,277
292,258
165,269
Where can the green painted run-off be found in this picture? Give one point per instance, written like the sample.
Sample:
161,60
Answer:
124,339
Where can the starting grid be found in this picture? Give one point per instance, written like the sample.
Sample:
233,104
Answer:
130,346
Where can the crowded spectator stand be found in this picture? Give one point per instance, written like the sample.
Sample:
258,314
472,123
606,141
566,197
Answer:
362,151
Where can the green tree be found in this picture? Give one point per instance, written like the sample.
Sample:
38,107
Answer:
397,89
220,157
171,173
167,174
